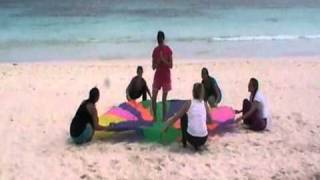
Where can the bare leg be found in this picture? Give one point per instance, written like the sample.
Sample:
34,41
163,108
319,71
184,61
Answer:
154,103
164,105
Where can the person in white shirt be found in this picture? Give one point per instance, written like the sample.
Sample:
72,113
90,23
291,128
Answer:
193,119
255,110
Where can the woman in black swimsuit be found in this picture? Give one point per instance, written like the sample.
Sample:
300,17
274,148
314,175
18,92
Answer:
86,121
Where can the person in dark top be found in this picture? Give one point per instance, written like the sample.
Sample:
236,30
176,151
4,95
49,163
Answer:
212,90
85,121
137,87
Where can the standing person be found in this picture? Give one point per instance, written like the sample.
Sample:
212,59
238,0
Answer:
212,90
85,122
193,119
138,86
161,63
255,110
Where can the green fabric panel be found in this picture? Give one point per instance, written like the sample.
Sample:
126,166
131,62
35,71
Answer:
154,134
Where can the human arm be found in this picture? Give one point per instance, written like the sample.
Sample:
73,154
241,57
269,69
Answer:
217,91
94,114
177,115
169,63
238,111
128,89
253,108
208,112
148,91
154,63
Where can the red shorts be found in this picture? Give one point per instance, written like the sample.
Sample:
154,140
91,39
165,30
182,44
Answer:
164,83
162,78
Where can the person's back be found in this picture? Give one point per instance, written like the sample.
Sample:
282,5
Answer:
86,121
263,108
80,120
193,119
197,117
209,87
138,83
161,63
166,53
162,74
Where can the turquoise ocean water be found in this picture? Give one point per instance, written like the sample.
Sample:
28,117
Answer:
38,30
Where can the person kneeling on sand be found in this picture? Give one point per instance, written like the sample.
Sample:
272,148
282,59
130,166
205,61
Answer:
255,110
212,91
193,118
137,87
85,121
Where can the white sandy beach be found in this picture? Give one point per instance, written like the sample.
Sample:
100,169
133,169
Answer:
38,101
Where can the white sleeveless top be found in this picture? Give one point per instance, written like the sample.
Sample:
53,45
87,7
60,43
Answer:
197,119
265,109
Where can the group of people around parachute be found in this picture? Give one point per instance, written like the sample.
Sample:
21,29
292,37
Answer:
193,114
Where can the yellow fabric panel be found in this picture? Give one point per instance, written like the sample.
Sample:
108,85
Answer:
102,134
106,120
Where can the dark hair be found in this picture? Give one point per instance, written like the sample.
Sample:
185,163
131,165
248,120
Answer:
255,84
94,94
139,68
160,37
205,70
197,91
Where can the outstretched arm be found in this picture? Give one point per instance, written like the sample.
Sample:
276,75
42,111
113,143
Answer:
94,114
254,107
178,115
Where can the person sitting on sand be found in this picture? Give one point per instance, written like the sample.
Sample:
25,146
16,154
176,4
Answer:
137,87
162,63
85,120
255,110
193,118
212,90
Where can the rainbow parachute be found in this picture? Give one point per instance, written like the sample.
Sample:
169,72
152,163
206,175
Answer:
136,116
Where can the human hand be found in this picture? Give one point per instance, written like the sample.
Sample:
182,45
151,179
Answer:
237,111
238,119
166,126
164,129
